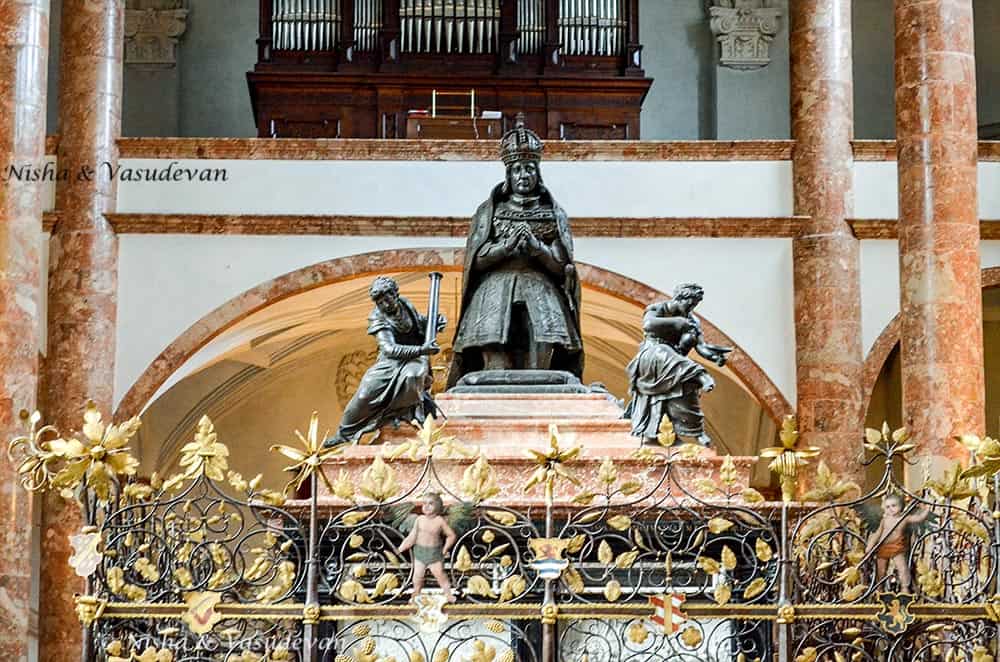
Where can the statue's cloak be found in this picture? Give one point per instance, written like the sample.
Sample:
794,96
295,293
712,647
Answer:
480,230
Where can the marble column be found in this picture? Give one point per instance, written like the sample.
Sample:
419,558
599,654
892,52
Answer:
940,283
83,271
24,28
829,359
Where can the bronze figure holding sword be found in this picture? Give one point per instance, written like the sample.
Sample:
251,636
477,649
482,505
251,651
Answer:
397,387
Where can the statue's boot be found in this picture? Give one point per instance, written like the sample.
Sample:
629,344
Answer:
335,440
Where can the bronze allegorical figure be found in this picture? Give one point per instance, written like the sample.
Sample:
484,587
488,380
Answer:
397,387
663,381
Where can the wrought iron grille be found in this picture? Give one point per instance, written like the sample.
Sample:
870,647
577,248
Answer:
652,565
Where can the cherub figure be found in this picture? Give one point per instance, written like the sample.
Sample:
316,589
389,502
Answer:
889,540
429,551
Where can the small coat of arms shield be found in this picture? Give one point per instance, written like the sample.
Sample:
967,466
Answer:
895,616
549,562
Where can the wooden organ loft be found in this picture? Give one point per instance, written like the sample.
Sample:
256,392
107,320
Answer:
369,68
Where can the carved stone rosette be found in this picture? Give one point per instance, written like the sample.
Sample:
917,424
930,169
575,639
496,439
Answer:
151,34
744,30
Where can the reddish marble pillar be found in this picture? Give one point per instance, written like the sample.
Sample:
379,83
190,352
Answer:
940,284
24,36
829,360
83,273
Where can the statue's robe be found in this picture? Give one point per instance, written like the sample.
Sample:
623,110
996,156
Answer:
489,295
395,388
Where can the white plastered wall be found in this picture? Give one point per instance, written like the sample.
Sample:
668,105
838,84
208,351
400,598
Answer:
456,188
168,282
875,193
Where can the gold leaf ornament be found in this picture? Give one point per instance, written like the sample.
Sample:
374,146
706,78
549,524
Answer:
607,473
604,553
512,587
665,434
763,550
930,580
723,592
573,580
478,482
387,583
378,482
353,591
463,560
343,487
728,558
637,632
754,588
691,636
719,525
502,517
205,455
479,585
807,655
788,457
630,487
852,593
727,472
626,559
612,591
709,565
828,487
620,522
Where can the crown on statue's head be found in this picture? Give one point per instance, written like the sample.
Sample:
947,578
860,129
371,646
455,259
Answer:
520,143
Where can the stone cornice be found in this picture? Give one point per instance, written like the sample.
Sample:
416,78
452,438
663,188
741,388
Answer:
443,226
484,150
453,226
888,228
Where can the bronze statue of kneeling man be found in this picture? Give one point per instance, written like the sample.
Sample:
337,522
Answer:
663,381
397,387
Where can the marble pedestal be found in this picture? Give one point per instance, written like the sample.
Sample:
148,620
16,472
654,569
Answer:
505,425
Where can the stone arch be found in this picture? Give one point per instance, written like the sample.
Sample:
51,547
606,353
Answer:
889,339
369,264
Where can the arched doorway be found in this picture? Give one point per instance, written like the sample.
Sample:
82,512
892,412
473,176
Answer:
260,364
883,368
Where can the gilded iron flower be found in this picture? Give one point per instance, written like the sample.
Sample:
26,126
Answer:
827,486
985,453
430,441
789,457
99,458
888,443
550,463
205,454
32,454
310,458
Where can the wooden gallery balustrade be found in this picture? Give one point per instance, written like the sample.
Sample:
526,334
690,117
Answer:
362,68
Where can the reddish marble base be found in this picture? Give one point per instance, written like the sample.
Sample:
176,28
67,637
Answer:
505,426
